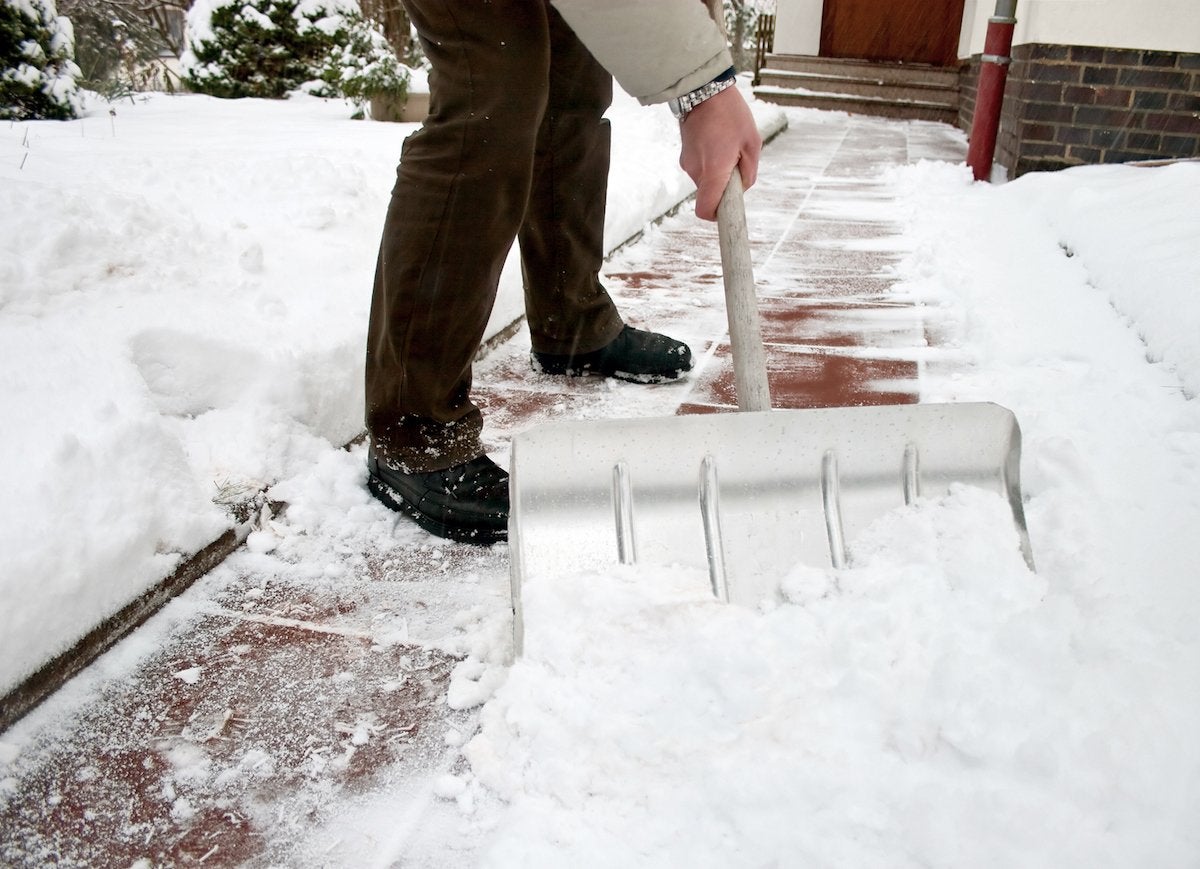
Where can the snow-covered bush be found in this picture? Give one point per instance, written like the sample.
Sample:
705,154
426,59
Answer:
266,48
365,65
37,68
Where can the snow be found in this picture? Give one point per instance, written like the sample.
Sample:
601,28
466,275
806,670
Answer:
1156,288
172,339
183,297
936,703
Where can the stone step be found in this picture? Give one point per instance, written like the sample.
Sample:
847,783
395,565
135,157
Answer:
898,73
890,90
879,87
860,105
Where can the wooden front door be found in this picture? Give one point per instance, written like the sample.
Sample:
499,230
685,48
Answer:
909,31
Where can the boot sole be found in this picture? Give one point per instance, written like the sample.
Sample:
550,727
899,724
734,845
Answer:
482,536
568,371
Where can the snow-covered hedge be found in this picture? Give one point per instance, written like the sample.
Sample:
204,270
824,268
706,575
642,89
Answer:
37,67
267,48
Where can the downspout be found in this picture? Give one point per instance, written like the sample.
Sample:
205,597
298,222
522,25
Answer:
989,97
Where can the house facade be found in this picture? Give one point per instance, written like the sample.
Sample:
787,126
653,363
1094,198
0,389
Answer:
1090,81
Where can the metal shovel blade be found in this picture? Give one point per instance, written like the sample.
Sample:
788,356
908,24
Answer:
745,496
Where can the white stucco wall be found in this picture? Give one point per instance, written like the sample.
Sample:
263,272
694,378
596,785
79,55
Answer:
1163,25
798,26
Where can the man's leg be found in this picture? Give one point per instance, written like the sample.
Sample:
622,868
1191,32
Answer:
574,326
562,239
460,195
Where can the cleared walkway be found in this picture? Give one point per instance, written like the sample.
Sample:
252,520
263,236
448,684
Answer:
294,692
824,241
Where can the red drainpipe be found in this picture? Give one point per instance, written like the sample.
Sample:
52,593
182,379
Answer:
993,72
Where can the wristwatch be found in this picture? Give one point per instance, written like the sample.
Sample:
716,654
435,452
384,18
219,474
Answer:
680,106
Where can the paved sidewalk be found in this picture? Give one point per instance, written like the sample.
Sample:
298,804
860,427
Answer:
305,703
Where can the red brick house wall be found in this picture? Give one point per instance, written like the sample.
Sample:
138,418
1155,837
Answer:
1067,105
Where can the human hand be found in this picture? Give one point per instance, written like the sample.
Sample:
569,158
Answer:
718,135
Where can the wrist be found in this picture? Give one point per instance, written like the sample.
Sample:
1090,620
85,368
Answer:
682,105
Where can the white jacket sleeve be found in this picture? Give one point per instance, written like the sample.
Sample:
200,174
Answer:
656,49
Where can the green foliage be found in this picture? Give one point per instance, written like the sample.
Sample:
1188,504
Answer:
37,72
365,65
261,49
267,48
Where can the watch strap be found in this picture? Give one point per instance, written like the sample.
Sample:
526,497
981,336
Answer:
681,105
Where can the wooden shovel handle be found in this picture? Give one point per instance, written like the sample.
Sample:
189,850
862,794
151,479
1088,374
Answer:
741,303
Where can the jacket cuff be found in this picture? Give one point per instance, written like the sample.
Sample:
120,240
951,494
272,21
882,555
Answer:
712,69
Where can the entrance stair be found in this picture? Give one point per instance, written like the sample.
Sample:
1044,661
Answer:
884,89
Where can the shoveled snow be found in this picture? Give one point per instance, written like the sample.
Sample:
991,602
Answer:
936,703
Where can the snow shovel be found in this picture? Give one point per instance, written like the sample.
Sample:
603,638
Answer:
745,496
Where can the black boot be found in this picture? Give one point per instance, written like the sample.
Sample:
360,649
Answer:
642,357
467,503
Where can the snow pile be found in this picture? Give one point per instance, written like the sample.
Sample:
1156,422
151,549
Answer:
936,703
169,336
1136,237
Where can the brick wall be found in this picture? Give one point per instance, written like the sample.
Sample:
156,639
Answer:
1066,105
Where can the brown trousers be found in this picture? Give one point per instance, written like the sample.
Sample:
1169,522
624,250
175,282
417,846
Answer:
514,147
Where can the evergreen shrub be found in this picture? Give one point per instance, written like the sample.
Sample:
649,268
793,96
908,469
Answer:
37,68
268,48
